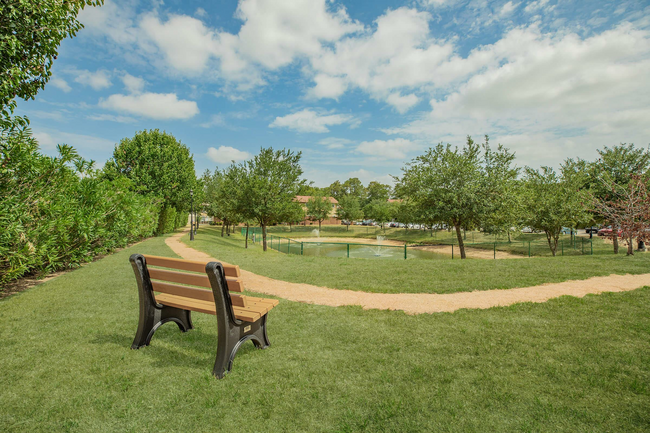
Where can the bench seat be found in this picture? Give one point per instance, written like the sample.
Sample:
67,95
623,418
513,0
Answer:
254,310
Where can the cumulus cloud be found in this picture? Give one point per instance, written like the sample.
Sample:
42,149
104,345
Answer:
215,120
98,80
546,88
60,83
162,106
311,121
391,149
133,84
402,103
227,154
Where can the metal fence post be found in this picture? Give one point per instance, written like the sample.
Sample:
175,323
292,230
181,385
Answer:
404,251
495,251
592,246
562,242
348,250
301,244
529,249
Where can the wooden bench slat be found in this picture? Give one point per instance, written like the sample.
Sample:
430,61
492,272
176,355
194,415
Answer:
194,293
188,265
193,279
273,302
247,314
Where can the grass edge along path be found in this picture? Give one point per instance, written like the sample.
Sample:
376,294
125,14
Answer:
423,302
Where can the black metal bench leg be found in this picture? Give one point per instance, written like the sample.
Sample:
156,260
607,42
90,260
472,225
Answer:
183,318
146,327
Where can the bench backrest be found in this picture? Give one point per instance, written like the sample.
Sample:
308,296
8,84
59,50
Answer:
161,279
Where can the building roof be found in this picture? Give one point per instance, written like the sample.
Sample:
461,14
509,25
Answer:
305,199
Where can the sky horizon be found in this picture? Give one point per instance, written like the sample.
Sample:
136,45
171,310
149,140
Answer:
361,88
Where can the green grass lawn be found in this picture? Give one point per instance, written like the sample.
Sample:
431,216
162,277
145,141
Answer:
412,276
566,365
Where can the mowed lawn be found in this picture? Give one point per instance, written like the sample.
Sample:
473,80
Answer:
565,365
415,275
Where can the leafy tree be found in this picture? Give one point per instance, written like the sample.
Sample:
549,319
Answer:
349,209
355,188
30,33
295,214
319,208
379,210
272,182
447,183
504,207
616,166
158,165
336,190
553,201
377,191
629,209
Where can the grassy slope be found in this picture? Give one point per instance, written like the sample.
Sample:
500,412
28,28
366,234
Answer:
413,276
566,365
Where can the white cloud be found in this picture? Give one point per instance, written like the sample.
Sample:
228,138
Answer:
402,103
535,6
227,154
508,8
98,80
392,149
335,143
60,83
546,88
328,87
162,106
200,12
133,84
310,121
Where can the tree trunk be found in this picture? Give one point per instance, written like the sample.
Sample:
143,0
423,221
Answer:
615,237
630,246
246,246
509,240
461,245
552,245
319,221
223,227
348,228
263,236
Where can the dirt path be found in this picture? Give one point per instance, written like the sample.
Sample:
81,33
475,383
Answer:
473,253
421,303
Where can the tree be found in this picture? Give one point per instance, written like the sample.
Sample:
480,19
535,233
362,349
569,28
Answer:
158,165
319,208
504,208
553,201
627,207
377,191
617,166
272,182
447,183
336,190
349,209
355,188
295,214
379,210
30,33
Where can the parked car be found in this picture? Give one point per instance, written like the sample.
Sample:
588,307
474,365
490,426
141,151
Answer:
358,223
593,230
401,225
345,223
607,231
527,230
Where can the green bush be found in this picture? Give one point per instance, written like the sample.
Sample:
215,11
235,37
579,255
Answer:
57,212
167,220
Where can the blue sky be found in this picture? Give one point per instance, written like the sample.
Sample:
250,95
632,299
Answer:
359,87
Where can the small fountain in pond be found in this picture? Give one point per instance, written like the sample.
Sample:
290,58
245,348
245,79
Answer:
377,249
316,233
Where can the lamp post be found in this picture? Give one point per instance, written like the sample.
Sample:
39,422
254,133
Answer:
191,215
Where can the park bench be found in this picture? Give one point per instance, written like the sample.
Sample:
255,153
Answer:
239,317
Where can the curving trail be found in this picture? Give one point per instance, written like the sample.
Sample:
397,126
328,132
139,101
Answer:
418,303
